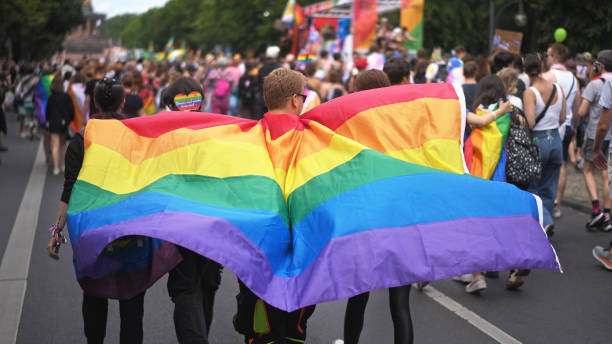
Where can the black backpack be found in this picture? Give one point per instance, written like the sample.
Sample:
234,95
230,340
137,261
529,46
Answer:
523,163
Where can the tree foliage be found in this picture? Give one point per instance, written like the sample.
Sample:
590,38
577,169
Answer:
242,25
35,29
116,24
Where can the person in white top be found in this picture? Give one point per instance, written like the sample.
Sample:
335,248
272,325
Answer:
544,121
555,58
590,104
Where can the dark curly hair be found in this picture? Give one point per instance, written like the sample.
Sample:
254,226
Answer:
108,95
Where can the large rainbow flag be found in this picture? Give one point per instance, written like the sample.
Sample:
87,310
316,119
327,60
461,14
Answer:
342,200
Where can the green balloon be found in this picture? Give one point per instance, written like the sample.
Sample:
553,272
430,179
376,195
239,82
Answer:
560,35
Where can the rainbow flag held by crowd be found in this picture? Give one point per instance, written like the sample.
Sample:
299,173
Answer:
41,96
366,191
485,147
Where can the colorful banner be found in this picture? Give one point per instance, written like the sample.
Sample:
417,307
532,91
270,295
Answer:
280,211
411,17
364,24
289,13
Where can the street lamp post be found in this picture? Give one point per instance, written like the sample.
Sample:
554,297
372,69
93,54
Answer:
520,18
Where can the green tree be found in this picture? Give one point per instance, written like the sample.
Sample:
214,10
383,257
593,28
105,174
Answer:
35,29
116,24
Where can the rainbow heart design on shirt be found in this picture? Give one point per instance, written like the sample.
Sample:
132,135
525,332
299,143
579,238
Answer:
189,102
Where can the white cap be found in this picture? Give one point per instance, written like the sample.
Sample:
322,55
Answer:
272,52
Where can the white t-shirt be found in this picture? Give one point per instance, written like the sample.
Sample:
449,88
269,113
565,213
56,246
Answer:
570,86
551,118
516,101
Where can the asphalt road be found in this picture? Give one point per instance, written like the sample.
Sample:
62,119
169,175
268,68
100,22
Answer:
572,307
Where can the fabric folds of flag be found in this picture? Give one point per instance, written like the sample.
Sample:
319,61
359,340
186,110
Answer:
303,209
485,148
41,96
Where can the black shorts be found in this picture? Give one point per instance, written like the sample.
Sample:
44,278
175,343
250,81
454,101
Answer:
567,138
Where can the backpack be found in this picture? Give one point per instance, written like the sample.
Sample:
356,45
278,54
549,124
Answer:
222,88
523,163
247,88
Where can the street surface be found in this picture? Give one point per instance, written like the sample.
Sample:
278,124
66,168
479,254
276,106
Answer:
572,307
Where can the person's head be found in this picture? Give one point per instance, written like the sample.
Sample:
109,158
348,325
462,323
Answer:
502,60
337,57
490,90
185,94
420,70
370,79
99,70
272,52
421,54
109,96
334,76
470,69
78,78
518,63
283,91
127,81
604,61
533,65
57,85
222,62
324,55
137,80
556,53
460,51
509,76
310,69
398,71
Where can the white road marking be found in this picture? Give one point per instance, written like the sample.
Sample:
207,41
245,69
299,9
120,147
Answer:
471,317
16,260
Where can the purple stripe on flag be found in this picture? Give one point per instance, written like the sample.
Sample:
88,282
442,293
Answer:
126,285
352,264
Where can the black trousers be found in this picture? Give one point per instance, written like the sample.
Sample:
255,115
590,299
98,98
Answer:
192,285
95,311
399,303
261,323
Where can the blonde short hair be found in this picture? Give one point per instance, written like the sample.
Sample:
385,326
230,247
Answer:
280,85
509,76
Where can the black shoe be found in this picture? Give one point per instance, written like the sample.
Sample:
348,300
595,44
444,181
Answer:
3,148
492,274
550,230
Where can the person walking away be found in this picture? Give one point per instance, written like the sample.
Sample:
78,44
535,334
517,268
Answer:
59,113
25,100
590,104
108,98
247,91
556,55
399,297
604,256
134,105
258,321
544,121
220,81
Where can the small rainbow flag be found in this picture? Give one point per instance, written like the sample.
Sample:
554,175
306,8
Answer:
485,147
337,202
304,58
41,95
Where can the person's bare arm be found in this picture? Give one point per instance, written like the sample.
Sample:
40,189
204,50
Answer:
478,121
529,104
583,109
599,159
563,114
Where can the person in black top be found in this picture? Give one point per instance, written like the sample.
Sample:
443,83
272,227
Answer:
90,87
59,113
108,98
193,283
134,106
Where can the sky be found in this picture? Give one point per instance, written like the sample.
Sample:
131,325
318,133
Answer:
115,7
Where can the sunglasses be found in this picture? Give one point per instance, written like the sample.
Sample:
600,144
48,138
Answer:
301,95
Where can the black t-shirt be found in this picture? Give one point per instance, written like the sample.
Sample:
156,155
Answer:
133,103
89,91
469,90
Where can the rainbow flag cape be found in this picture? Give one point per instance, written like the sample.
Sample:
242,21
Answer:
342,200
485,147
41,96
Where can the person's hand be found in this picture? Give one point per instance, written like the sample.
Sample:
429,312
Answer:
52,249
505,106
599,159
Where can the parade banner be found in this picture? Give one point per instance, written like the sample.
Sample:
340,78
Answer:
364,24
509,41
411,17
342,200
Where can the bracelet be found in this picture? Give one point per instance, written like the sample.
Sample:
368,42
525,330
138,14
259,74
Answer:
53,229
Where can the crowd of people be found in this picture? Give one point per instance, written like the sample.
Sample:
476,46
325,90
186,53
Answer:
566,103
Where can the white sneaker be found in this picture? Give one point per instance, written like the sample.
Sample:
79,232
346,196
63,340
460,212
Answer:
477,285
467,278
338,341
56,171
